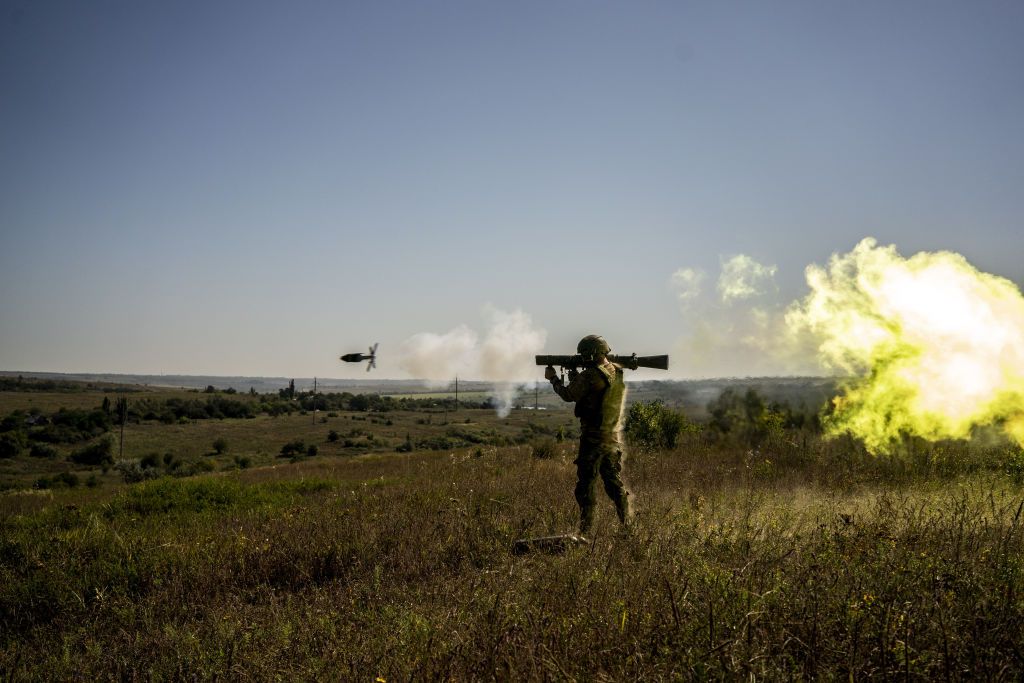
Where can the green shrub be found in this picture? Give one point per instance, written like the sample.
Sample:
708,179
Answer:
69,479
292,448
653,425
220,445
98,453
12,444
150,460
132,471
42,450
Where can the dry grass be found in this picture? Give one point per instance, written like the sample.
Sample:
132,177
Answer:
792,562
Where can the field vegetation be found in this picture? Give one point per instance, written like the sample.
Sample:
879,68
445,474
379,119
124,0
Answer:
760,549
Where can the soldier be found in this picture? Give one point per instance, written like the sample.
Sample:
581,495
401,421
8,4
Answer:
599,392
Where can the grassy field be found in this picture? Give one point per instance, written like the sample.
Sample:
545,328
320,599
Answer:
802,558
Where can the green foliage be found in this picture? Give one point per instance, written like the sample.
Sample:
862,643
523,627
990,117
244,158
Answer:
406,446
12,443
133,471
97,453
1015,464
292,448
220,445
64,479
121,409
749,419
654,425
332,436
42,450
73,426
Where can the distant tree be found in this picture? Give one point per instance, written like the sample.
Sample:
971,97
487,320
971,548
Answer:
288,392
332,436
220,445
105,407
210,389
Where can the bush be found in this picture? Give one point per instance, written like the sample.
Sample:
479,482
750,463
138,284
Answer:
332,436
312,450
12,444
69,479
132,471
243,462
42,450
220,446
292,448
748,418
653,425
98,453
152,460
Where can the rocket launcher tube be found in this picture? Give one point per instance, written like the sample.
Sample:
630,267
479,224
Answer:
632,362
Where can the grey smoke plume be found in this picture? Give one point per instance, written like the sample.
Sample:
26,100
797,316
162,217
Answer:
744,278
741,332
505,355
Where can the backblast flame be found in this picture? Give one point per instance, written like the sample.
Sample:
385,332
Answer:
935,347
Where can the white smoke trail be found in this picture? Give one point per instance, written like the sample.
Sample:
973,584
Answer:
741,332
505,356
744,278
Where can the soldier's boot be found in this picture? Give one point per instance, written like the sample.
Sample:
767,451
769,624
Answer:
586,520
624,508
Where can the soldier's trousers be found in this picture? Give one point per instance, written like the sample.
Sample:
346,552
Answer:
604,459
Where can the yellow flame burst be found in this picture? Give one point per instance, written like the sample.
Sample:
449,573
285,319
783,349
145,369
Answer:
935,347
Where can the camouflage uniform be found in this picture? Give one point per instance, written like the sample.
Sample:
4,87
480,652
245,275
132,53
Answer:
599,392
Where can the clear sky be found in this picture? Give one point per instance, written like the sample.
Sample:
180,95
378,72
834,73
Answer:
255,187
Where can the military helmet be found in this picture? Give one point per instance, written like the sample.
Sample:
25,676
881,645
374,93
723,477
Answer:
592,346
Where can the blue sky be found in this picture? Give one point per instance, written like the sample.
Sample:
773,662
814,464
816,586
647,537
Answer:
254,188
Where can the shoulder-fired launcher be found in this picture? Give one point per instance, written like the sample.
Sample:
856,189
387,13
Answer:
632,361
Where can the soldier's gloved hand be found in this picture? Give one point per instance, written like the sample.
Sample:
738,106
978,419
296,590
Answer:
573,374
549,373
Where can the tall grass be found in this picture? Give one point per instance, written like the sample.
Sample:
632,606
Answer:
790,561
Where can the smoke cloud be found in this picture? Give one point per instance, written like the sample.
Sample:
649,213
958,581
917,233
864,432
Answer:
686,282
744,278
505,356
738,328
935,347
